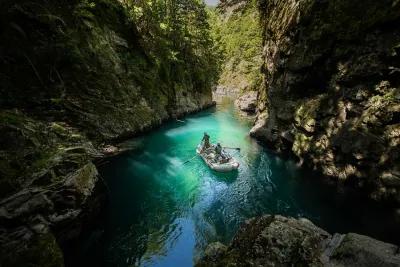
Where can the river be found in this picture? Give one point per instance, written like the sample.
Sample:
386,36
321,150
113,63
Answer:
163,212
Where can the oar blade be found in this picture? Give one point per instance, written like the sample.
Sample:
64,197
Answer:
236,148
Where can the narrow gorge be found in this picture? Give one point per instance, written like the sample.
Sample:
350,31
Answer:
103,103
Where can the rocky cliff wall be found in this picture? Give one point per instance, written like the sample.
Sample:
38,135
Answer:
74,76
331,91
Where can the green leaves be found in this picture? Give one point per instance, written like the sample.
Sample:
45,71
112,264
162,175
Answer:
177,32
138,11
237,37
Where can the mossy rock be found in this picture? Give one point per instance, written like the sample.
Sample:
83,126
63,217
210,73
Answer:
306,113
40,251
302,144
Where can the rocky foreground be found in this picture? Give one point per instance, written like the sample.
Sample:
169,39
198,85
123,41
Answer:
280,241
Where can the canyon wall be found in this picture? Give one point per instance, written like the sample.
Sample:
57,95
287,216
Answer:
331,90
75,76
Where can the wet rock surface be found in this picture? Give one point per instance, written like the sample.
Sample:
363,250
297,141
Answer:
220,92
331,89
281,241
247,102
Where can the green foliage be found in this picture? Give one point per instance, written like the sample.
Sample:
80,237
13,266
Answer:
176,33
129,60
170,38
239,40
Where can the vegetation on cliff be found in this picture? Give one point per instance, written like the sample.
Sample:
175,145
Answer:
79,59
237,32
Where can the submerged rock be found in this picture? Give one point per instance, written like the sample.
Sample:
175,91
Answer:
281,241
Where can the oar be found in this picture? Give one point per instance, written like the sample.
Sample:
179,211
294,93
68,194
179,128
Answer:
189,160
236,148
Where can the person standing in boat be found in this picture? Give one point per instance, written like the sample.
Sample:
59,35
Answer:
206,142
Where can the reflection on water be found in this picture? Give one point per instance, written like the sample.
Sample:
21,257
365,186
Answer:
163,212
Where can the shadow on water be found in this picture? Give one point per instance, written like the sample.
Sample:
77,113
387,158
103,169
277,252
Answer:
163,212
228,177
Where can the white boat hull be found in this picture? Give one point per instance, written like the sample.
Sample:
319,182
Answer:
231,165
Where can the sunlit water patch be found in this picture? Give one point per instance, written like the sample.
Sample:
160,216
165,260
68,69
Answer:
163,211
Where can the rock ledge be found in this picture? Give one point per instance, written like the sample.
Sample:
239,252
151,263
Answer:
280,241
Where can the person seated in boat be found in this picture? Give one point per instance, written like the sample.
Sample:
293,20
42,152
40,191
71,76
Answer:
219,155
206,142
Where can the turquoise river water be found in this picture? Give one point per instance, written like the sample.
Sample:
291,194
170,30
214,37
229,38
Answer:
163,212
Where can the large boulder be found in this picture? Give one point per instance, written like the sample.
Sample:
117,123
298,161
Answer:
281,241
247,102
359,250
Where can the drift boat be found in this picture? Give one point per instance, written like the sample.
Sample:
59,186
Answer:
209,157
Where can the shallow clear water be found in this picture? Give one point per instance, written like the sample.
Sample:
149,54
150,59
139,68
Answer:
163,212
